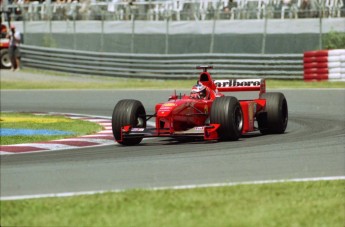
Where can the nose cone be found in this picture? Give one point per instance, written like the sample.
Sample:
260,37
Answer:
166,109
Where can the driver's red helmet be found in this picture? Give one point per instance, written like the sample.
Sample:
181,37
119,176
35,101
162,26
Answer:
199,91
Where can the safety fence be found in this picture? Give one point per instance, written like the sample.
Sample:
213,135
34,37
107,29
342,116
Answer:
164,66
173,9
180,26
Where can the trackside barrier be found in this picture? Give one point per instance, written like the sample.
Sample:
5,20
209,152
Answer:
324,65
160,66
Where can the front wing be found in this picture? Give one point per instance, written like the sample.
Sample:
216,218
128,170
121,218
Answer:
207,132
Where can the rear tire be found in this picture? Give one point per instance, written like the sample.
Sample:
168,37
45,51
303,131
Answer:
128,112
274,119
227,112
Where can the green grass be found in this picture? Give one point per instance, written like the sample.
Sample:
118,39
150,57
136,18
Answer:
270,84
102,82
30,121
318,203
118,83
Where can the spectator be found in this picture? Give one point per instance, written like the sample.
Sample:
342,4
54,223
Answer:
85,9
13,49
305,9
289,7
16,10
59,10
210,11
229,9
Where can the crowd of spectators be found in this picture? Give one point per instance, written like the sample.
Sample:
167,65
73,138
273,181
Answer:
173,9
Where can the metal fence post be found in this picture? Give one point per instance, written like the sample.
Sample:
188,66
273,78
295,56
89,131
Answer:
102,33
212,35
263,47
215,17
167,36
320,25
74,34
24,27
133,32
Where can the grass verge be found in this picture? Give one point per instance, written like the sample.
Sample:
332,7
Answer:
319,203
61,80
46,122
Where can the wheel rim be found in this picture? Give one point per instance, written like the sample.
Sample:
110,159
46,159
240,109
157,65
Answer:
140,122
5,61
238,119
284,113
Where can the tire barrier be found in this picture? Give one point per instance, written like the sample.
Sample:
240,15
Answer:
324,65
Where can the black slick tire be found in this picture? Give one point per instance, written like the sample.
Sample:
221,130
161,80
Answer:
128,112
274,118
227,112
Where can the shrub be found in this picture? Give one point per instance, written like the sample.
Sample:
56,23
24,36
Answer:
334,40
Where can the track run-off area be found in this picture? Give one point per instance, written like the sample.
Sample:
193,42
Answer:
313,147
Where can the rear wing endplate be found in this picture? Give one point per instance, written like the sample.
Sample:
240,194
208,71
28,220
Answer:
233,85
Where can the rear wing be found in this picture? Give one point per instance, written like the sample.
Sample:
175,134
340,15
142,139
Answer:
233,85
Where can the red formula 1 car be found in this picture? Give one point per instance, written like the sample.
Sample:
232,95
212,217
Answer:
206,113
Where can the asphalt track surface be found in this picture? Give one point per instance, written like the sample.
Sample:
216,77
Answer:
313,146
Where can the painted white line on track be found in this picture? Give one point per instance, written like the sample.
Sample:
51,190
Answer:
100,141
105,124
98,135
48,146
106,131
181,187
5,153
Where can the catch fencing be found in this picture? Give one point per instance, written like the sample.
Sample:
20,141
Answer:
164,66
180,26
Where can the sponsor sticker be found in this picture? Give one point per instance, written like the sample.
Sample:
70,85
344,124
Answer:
137,129
238,83
169,104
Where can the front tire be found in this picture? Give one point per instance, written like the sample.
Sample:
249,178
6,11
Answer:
5,60
128,112
274,119
227,112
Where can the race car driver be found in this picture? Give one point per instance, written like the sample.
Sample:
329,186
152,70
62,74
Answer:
199,91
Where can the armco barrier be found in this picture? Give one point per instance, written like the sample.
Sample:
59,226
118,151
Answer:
179,66
324,65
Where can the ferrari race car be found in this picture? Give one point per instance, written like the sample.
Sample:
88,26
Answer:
204,114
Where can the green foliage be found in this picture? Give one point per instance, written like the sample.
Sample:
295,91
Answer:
318,203
334,40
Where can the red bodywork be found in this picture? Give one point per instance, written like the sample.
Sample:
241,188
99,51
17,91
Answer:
4,42
5,61
185,116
